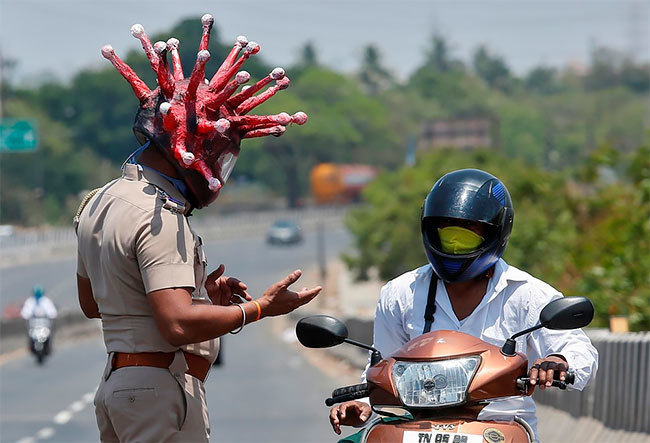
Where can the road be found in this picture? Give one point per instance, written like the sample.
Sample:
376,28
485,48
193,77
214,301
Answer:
244,257
265,391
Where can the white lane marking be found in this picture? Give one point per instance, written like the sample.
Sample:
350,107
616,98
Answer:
77,406
62,417
45,433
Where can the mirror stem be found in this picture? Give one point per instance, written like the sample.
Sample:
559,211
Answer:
508,348
376,355
361,345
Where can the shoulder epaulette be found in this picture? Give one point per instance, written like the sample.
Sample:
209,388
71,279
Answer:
170,203
82,205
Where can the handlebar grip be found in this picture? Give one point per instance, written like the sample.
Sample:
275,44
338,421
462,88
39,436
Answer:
347,397
570,377
349,389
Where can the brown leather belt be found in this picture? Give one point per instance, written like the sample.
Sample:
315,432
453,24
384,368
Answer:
198,367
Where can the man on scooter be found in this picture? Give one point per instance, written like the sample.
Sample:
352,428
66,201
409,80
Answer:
38,305
39,310
466,222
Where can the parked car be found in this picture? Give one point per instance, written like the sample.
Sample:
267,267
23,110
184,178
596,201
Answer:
284,232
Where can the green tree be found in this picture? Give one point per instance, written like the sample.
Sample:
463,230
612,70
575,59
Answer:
492,69
345,126
374,77
543,80
612,256
387,234
44,186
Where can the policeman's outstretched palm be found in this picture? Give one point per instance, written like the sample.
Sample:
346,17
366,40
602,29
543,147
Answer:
278,299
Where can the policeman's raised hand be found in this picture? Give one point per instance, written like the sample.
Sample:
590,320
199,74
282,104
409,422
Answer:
225,290
544,370
278,299
350,413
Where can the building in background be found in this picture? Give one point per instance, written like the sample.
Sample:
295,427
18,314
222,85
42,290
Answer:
461,133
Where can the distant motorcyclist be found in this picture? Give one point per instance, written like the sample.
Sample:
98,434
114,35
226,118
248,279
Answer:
38,305
40,312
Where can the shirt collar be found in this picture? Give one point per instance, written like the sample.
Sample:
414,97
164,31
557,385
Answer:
503,273
136,172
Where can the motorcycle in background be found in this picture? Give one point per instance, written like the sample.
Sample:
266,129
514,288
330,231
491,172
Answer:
433,388
39,332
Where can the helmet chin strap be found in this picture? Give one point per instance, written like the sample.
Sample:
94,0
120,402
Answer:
133,158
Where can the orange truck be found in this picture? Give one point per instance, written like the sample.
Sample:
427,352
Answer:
339,183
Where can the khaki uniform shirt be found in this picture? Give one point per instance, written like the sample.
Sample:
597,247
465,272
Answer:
134,238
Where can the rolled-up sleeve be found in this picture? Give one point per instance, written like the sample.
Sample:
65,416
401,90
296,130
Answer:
572,344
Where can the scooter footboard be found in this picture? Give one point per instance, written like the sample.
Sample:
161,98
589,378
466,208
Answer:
447,431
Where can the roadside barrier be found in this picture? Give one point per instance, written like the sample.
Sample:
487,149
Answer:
619,397
25,246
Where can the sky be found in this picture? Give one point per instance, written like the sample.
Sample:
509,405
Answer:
57,38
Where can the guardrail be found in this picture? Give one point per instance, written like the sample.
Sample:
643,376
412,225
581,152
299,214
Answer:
32,245
619,397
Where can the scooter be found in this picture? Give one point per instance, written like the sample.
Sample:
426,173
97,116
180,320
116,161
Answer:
433,388
39,332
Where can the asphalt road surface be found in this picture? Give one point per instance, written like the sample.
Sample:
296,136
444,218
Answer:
265,391
245,257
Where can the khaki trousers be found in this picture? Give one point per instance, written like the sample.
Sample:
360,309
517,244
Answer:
145,404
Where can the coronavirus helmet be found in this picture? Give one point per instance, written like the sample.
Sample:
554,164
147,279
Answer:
199,124
466,196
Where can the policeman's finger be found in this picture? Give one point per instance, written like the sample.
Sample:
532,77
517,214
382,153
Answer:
562,374
306,295
217,272
290,279
236,283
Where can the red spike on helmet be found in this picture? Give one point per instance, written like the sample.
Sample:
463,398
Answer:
196,123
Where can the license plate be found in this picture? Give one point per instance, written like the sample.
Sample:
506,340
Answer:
440,437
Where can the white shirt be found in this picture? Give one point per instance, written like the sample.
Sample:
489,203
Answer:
44,308
512,302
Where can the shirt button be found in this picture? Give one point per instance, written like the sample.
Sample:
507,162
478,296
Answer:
132,399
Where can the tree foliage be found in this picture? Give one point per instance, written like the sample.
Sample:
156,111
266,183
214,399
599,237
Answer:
585,236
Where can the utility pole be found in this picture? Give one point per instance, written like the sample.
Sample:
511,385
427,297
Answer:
2,91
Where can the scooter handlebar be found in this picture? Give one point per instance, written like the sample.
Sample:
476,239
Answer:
348,393
349,389
524,382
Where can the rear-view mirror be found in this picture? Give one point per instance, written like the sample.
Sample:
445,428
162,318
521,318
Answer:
567,313
321,331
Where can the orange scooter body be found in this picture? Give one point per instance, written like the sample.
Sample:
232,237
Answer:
495,377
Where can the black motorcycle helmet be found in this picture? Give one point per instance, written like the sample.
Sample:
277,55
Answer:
475,196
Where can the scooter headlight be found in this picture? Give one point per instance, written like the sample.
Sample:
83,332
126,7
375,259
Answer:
434,384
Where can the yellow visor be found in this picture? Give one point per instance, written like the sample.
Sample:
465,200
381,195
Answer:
457,240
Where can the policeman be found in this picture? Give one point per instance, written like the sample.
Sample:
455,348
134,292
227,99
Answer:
142,268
